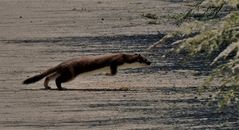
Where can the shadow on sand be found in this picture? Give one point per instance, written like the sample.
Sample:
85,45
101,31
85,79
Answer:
184,112
197,113
72,89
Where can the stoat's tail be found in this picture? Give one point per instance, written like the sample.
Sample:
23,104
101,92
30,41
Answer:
40,76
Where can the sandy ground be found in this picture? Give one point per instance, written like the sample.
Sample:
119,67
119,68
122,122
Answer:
38,34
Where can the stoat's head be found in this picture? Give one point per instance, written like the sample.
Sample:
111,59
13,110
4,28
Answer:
142,59
131,58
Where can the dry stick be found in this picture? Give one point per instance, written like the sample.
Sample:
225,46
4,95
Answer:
189,12
162,40
169,37
226,52
218,9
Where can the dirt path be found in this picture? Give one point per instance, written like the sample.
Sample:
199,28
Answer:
69,18
35,35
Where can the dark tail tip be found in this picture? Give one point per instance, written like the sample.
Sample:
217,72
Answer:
26,81
32,79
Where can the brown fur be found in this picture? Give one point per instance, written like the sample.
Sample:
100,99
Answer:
69,69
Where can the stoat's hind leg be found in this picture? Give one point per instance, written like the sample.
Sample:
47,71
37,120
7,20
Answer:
49,78
67,76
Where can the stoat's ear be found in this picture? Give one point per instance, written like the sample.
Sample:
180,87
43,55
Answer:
137,54
124,55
